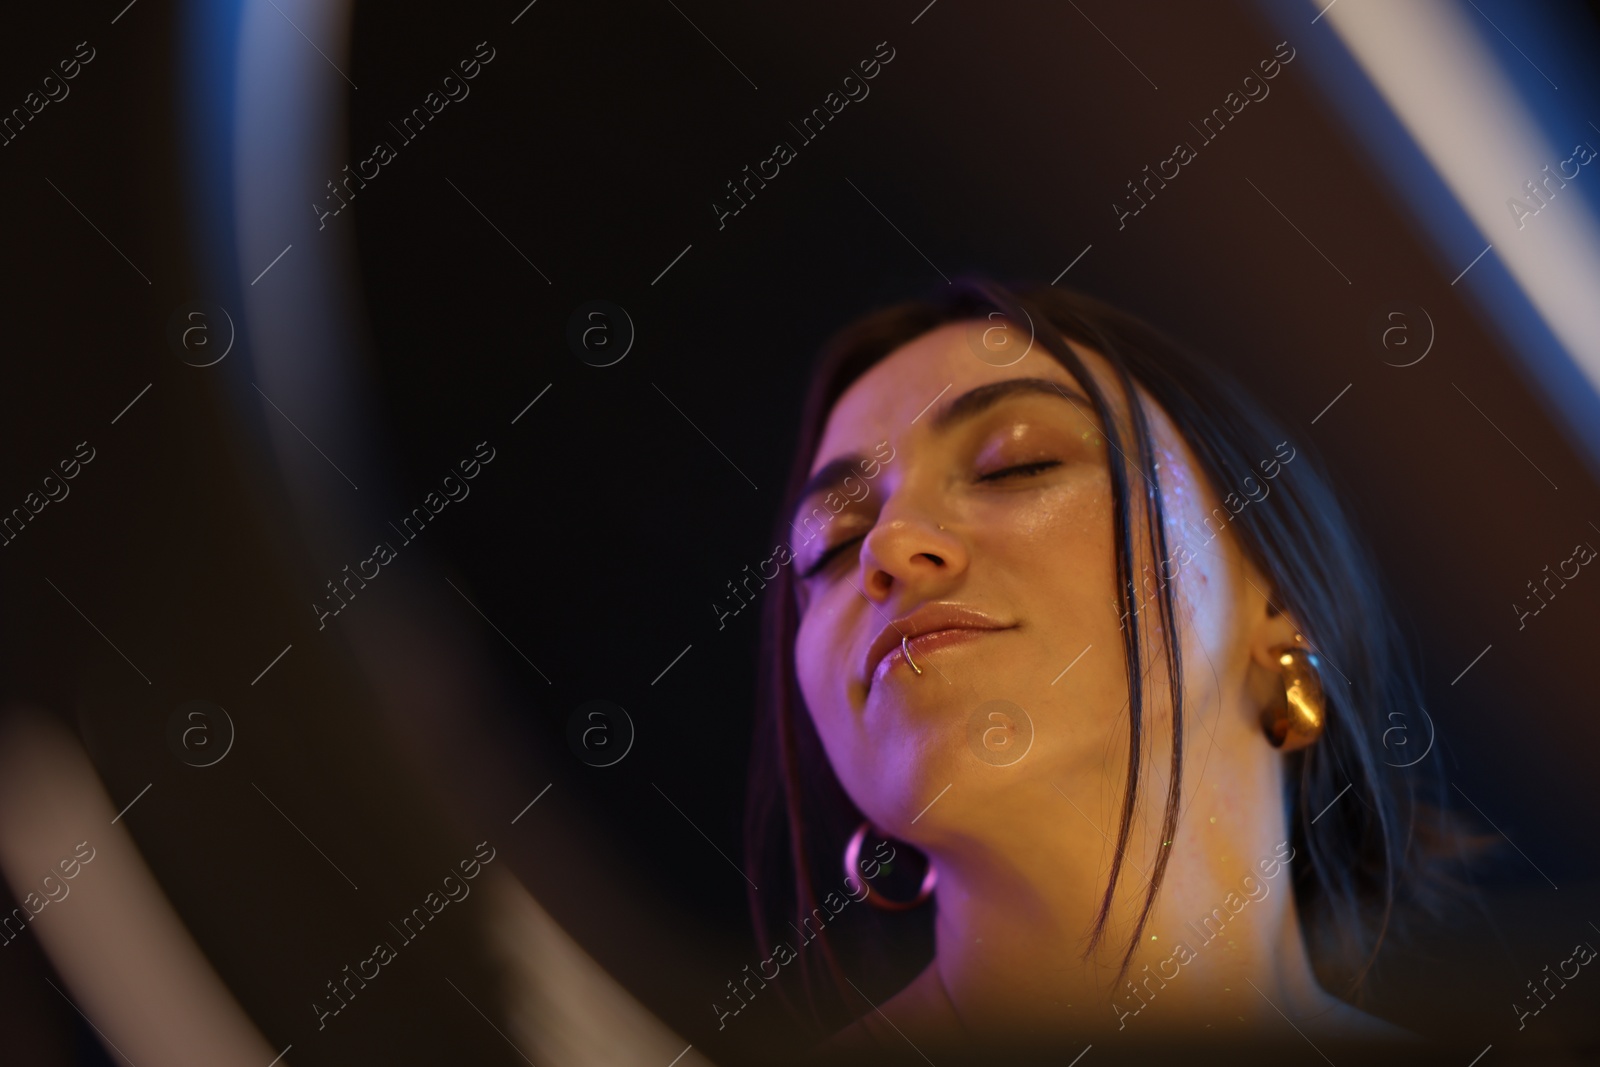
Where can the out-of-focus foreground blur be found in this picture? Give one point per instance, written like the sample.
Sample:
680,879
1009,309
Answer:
392,391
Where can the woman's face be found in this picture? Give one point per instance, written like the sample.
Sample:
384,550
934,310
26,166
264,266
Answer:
982,531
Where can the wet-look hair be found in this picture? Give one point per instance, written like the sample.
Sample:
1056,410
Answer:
1391,841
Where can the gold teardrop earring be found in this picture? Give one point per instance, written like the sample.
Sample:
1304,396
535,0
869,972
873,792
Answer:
1296,717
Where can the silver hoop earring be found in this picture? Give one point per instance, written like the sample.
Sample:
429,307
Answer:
905,650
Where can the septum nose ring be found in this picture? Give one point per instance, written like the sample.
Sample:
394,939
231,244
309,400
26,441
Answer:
905,650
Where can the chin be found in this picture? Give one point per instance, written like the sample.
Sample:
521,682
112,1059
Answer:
905,785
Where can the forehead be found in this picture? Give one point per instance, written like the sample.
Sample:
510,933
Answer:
903,392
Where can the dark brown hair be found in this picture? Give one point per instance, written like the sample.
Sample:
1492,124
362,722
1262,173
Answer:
1390,836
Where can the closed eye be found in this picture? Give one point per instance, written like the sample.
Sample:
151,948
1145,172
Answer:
1020,470
827,557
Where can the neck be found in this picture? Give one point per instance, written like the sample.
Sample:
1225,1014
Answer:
1224,921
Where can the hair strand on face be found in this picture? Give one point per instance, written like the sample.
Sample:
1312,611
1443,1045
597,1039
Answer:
1398,842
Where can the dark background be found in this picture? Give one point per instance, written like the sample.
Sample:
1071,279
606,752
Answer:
593,145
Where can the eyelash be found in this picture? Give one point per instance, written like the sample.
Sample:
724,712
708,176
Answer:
1030,468
1027,469
827,557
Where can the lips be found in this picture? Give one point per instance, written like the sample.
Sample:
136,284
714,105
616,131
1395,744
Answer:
936,625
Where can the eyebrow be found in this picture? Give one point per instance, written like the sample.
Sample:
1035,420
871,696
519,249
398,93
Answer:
835,470
966,406
974,401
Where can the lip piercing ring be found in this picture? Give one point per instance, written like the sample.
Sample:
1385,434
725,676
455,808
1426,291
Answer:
905,650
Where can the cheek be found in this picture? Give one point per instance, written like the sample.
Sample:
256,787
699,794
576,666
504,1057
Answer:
1052,560
820,650
1057,550
1205,584
808,653
1205,603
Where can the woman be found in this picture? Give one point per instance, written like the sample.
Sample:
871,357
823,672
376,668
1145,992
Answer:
1060,604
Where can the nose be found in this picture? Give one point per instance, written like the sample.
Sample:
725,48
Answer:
911,554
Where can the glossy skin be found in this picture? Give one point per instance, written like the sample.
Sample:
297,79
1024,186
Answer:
1008,511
